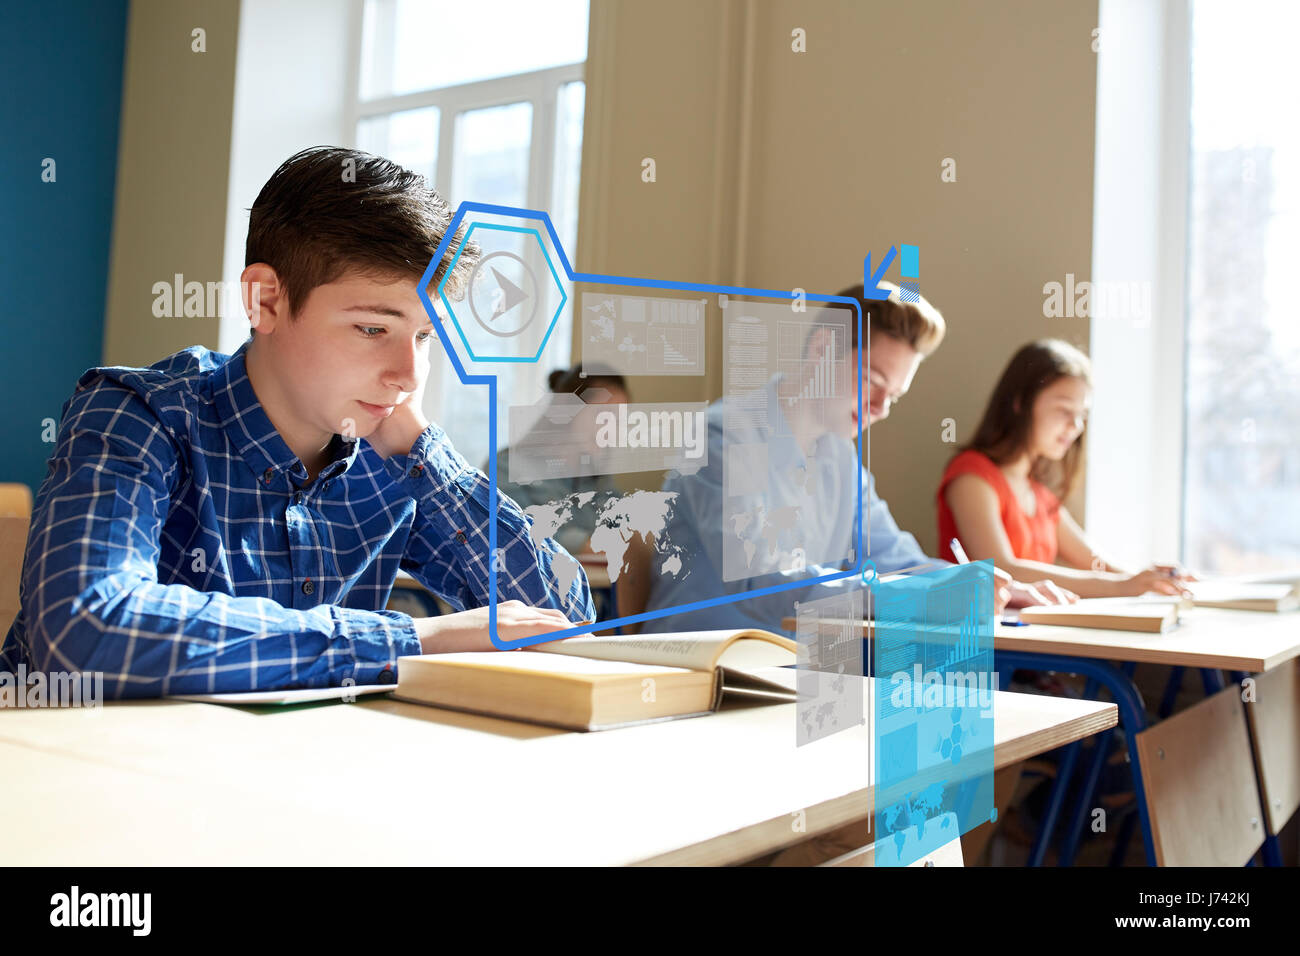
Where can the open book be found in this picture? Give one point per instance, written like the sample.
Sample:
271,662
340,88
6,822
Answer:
597,683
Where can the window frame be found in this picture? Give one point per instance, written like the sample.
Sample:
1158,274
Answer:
540,88
1137,430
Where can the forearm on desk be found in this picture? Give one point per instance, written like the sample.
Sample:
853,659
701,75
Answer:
1087,584
150,639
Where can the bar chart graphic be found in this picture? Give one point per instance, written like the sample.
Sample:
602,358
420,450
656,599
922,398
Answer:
967,644
820,377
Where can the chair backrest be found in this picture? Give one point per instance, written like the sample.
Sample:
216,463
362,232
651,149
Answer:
1199,777
15,500
1274,717
632,590
13,543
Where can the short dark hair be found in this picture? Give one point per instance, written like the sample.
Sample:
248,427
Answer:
328,211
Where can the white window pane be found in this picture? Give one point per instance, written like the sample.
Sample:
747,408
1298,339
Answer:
568,163
1242,494
408,138
410,45
490,162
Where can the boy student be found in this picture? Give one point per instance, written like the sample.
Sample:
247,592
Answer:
230,523
816,468
1001,496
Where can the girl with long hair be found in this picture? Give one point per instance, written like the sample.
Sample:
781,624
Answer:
1002,495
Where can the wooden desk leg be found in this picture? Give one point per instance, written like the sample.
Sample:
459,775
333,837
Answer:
975,840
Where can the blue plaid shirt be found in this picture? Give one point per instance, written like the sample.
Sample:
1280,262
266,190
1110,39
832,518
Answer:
176,546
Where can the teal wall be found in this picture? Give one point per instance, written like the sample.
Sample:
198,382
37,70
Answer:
62,67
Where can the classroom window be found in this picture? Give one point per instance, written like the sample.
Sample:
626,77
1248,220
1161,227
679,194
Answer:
1241,507
503,128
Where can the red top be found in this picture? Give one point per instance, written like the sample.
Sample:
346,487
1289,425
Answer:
1032,538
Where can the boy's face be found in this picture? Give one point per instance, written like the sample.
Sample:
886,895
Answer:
886,376
358,347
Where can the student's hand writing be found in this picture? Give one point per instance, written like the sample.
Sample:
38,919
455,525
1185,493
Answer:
1001,597
1039,593
1016,594
1174,571
468,630
1055,593
1001,591
1152,579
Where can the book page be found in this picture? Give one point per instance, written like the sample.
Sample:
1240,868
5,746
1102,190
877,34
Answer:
697,650
781,681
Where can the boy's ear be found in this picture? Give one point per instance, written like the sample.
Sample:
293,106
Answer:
265,303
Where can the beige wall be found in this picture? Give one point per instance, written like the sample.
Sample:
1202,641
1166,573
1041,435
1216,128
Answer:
173,166
779,169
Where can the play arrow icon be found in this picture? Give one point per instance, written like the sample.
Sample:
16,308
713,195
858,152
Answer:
508,295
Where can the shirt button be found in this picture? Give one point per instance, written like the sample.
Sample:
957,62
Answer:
386,676
308,587
267,475
460,536
417,471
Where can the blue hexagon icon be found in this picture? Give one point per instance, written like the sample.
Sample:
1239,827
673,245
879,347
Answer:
506,297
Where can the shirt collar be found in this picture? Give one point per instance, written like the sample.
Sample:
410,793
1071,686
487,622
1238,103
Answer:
253,435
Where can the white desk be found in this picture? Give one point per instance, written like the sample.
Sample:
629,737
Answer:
385,782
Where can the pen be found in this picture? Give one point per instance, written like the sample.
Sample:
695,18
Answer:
959,553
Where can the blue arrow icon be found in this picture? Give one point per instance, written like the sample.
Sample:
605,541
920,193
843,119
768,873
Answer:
871,280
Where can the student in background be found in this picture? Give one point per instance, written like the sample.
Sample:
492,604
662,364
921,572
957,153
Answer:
1001,496
600,386
819,438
